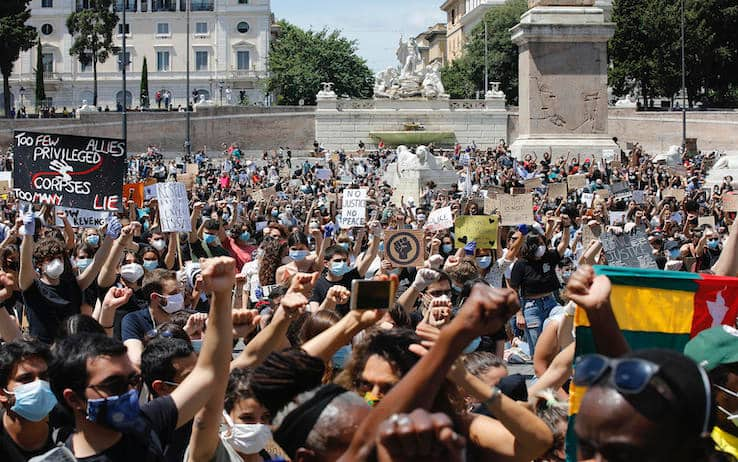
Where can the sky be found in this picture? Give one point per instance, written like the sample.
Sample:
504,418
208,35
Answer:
376,25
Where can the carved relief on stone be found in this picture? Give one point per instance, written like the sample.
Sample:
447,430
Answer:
580,114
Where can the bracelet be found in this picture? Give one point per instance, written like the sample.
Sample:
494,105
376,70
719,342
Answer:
496,394
108,327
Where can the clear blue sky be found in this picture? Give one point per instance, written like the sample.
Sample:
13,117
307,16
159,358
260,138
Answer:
376,25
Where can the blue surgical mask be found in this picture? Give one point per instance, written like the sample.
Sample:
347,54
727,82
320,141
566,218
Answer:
121,413
196,345
299,255
447,248
674,254
83,263
150,265
245,236
209,238
381,246
339,268
713,244
33,401
472,347
341,357
456,288
275,213
484,262
345,245
93,239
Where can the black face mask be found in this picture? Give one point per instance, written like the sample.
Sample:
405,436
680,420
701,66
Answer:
11,265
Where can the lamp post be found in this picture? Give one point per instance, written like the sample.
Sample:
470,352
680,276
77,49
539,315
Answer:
22,92
486,52
187,92
221,84
684,91
124,65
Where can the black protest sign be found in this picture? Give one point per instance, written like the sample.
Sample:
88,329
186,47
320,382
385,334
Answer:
405,248
74,171
628,249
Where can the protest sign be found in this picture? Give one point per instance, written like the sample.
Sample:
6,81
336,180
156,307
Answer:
603,193
73,171
405,248
730,202
587,199
260,225
174,212
265,194
491,205
676,193
323,174
134,192
576,181
6,182
188,179
616,165
481,229
150,192
617,218
590,233
353,211
80,218
532,184
557,190
707,221
639,196
346,179
619,187
608,155
439,219
628,249
517,191
516,210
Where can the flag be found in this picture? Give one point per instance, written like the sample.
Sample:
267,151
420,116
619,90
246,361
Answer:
655,309
381,144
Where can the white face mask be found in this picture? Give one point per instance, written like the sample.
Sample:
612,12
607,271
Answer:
159,244
246,438
54,268
540,251
174,303
131,272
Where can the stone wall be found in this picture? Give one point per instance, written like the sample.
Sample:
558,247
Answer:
254,128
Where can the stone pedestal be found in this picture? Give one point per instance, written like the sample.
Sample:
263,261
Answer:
563,78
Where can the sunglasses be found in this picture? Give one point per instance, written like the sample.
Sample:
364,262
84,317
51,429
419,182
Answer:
117,385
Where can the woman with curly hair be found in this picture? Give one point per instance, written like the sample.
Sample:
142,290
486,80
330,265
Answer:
276,253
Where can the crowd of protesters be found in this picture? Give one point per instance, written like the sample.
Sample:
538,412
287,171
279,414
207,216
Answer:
235,341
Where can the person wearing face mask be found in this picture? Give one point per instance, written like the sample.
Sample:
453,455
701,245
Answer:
708,250
51,290
92,237
534,277
150,259
9,257
165,295
26,401
212,233
238,244
300,258
338,272
165,246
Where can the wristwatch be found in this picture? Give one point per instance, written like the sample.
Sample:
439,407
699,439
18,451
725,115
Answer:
496,394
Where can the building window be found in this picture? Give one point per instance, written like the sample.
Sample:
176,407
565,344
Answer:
243,2
453,16
47,3
162,61
48,62
85,64
128,29
47,29
162,28
83,4
242,27
163,5
243,60
202,5
124,58
201,28
130,5
201,60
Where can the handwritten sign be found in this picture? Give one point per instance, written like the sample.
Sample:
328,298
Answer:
608,155
532,184
676,193
174,213
440,219
639,196
632,250
707,221
481,229
353,211
323,174
576,182
557,190
192,168
134,192
6,182
730,202
491,204
265,194
150,192
617,218
188,179
516,210
405,248
79,218
603,193
587,199
73,171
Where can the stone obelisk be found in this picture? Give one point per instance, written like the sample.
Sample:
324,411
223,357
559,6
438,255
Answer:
562,78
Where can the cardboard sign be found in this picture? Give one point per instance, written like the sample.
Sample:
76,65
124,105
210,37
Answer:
608,155
603,193
491,205
405,248
676,193
587,199
353,210
590,234
73,171
557,190
617,218
150,192
616,165
440,219
532,184
79,218
323,174
134,192
518,191
481,229
174,211
639,196
576,182
516,210
709,221
730,202
628,249
6,182
265,194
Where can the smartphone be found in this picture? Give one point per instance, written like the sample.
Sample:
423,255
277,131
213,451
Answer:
372,295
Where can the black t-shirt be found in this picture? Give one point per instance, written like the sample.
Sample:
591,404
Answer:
197,251
161,418
11,452
48,306
320,291
536,276
135,303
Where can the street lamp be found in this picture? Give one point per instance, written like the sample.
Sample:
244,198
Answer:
684,91
221,84
22,92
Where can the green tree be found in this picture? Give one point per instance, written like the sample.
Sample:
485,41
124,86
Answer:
300,60
16,37
92,29
145,84
465,76
40,91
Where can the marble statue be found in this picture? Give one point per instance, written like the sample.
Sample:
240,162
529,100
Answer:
412,170
410,58
410,78
229,96
386,83
432,84
327,91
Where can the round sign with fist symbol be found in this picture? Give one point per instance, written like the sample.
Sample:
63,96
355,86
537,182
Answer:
404,248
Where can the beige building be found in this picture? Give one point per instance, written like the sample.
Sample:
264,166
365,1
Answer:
229,43
463,15
432,44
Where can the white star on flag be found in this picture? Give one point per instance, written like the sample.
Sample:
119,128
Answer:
718,309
